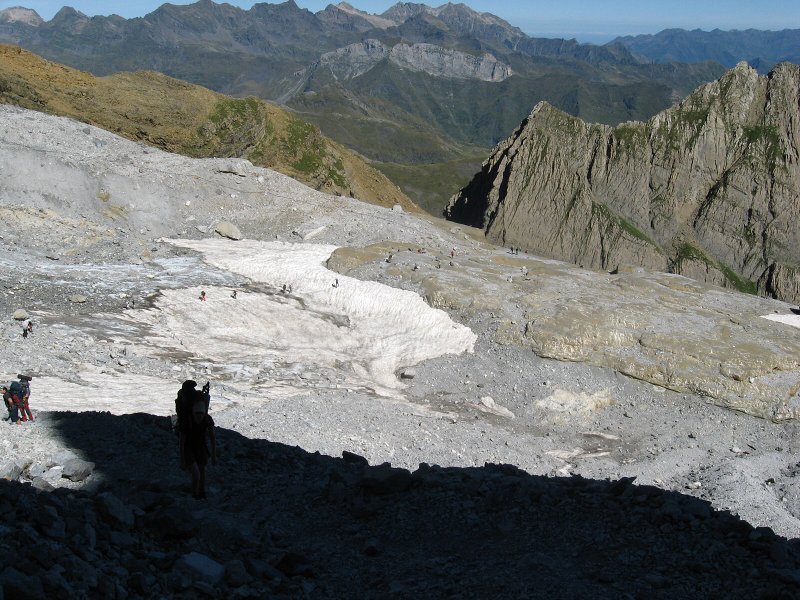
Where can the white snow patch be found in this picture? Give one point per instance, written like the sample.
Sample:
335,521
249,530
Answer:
364,331
793,320
116,393
272,344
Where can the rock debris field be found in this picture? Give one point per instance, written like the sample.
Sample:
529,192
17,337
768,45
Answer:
403,410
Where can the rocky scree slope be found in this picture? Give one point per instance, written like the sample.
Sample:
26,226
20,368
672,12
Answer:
86,211
709,188
188,119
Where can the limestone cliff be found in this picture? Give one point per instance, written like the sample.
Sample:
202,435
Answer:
356,59
709,188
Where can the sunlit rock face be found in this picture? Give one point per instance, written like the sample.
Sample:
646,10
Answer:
709,188
356,59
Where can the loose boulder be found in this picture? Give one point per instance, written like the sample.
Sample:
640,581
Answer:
205,567
77,470
115,509
228,230
20,315
10,470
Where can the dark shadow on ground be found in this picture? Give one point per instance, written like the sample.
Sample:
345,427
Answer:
307,525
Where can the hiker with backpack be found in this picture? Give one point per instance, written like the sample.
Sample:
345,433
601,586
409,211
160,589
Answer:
195,426
11,406
185,399
24,393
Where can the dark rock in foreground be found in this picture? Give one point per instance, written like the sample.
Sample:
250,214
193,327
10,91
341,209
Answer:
283,523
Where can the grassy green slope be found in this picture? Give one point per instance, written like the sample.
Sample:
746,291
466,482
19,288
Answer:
181,117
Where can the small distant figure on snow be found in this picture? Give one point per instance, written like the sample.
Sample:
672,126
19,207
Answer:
336,283
202,296
24,332
27,324
453,253
284,289
233,294
389,258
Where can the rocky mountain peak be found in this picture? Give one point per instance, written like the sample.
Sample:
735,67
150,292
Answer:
68,19
347,14
459,18
402,11
18,14
707,188
467,17
67,12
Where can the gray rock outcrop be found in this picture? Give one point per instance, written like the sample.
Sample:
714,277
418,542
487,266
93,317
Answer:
356,59
708,188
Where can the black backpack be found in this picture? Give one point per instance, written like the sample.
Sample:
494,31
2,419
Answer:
187,396
16,389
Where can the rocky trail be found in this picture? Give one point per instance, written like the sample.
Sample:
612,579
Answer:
403,409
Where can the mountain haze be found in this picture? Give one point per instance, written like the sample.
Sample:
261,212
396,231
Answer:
709,188
191,120
762,49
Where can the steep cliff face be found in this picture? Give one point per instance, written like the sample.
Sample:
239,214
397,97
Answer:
709,188
356,59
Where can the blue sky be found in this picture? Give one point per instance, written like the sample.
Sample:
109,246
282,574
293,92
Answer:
587,20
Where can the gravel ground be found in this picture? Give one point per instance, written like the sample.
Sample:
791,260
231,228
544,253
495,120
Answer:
85,214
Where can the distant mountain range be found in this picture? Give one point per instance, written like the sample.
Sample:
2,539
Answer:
422,92
188,119
761,49
707,188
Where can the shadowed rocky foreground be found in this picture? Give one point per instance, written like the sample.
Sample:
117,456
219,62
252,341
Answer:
281,522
